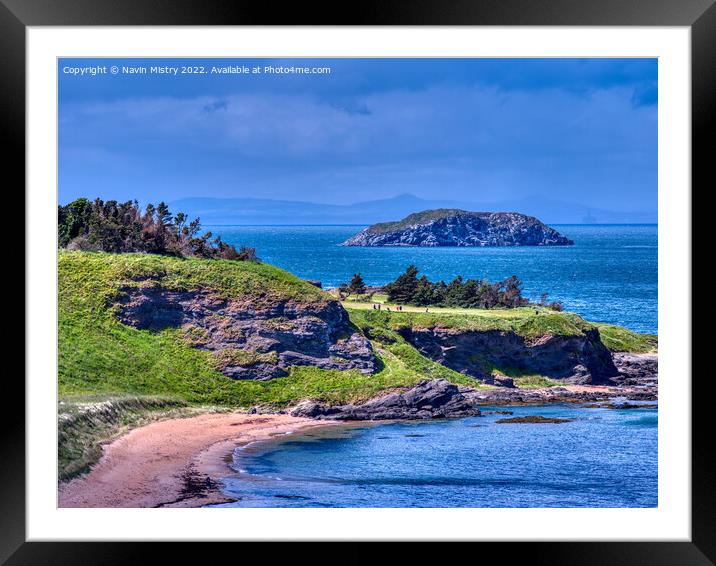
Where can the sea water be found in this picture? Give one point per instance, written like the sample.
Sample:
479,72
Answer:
608,275
602,458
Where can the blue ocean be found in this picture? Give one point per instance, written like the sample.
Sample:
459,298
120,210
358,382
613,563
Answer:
602,458
609,275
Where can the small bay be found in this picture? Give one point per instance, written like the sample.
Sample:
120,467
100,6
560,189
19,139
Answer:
600,458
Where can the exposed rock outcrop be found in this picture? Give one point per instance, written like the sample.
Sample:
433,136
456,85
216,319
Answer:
637,369
533,419
249,339
428,400
454,227
546,395
575,359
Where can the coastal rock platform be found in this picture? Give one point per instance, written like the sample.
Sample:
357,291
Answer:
437,398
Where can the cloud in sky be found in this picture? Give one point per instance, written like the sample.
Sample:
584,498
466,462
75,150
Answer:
579,130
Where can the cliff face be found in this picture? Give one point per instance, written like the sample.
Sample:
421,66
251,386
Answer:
575,359
251,339
448,227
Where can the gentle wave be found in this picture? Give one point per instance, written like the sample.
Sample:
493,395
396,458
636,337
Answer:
605,461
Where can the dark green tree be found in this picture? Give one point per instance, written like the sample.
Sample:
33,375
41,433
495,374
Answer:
403,289
454,292
424,293
512,295
357,285
470,293
72,220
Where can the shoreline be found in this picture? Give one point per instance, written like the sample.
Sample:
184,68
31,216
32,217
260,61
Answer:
569,394
173,463
180,462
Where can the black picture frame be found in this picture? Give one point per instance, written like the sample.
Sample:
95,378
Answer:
699,15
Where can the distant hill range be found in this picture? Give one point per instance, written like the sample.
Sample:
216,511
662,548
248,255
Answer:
255,211
455,227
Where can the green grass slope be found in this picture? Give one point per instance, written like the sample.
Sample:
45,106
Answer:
100,357
529,322
619,339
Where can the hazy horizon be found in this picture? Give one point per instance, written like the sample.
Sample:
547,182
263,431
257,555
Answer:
579,131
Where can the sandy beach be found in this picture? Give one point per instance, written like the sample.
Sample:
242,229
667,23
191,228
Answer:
179,462
173,463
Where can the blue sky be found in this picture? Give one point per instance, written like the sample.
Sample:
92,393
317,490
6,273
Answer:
579,130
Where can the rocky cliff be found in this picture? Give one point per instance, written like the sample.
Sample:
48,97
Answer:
249,338
580,358
453,227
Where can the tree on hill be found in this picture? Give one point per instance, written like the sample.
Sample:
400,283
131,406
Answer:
554,305
512,295
424,293
343,291
403,289
357,285
111,226
72,219
470,293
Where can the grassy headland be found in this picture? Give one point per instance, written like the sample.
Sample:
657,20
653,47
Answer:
530,321
100,355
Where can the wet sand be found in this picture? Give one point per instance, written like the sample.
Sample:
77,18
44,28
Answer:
173,463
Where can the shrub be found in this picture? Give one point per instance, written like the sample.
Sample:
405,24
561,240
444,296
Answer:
357,285
122,227
470,293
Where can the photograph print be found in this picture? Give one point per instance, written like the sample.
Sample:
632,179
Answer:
346,282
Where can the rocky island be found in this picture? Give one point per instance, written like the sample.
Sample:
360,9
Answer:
454,227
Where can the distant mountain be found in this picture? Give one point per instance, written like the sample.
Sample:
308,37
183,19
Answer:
563,212
255,211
